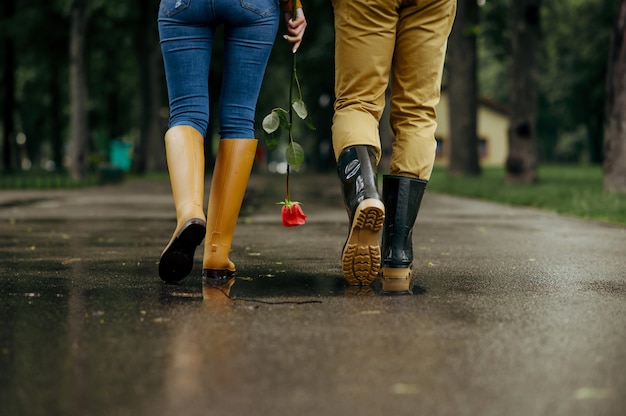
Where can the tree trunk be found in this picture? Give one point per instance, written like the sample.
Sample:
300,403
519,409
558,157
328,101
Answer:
463,91
615,131
521,164
79,133
155,124
8,88
150,151
55,116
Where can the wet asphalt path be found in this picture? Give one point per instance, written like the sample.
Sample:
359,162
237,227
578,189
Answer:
514,312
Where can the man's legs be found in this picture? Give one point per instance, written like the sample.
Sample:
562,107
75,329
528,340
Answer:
416,83
364,43
418,60
364,40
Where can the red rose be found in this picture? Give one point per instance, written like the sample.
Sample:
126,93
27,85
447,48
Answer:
292,214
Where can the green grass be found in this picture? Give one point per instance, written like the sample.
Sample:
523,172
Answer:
569,190
21,181
42,180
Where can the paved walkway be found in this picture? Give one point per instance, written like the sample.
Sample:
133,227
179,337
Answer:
515,312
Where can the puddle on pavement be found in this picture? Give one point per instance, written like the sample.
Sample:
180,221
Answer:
115,281
121,256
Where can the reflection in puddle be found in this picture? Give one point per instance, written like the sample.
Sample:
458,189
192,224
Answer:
220,291
277,290
307,285
217,290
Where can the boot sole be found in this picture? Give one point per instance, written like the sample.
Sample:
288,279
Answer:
177,258
360,260
396,280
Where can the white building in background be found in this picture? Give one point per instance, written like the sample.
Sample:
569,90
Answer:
493,125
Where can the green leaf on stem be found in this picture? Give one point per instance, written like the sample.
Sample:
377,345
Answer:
278,118
295,155
300,108
272,139
271,122
284,118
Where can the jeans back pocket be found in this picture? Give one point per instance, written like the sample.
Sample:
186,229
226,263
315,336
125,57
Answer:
171,7
260,7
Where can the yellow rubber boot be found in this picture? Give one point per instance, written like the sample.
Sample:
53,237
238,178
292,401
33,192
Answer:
184,147
233,165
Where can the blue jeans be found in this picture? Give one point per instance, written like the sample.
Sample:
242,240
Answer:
186,30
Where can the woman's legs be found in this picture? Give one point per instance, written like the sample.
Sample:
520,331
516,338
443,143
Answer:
186,37
186,53
187,31
185,161
246,53
248,40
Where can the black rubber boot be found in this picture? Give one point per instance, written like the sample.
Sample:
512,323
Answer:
360,259
402,196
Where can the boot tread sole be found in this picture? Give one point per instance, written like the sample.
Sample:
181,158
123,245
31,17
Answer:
361,255
177,259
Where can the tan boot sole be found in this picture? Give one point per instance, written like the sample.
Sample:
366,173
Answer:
396,280
360,260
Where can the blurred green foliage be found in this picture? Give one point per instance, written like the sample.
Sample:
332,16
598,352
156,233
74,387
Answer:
574,190
575,43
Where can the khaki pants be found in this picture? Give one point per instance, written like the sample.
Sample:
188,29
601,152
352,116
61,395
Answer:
408,38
